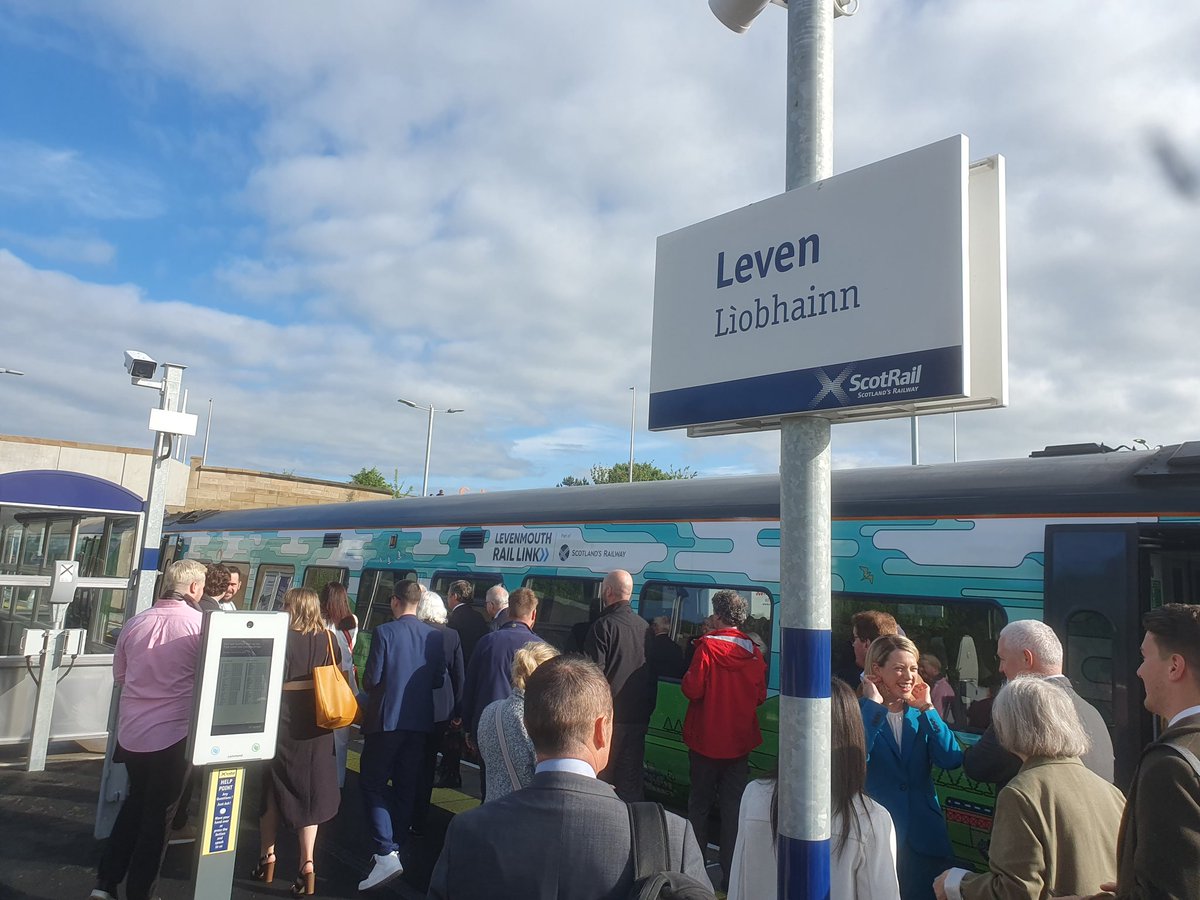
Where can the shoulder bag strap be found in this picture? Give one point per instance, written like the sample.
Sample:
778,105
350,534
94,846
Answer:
648,838
1186,754
508,763
329,635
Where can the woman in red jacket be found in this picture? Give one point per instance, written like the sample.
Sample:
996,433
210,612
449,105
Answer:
725,684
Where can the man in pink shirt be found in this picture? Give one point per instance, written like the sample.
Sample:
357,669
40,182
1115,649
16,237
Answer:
155,662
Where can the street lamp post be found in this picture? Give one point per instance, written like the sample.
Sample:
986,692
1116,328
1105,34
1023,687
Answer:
428,437
632,426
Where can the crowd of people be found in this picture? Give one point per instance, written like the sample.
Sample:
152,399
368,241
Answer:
561,742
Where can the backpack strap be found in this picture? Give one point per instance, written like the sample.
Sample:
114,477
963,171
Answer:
648,839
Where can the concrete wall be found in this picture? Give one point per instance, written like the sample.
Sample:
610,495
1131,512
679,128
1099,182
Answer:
210,487
126,466
188,488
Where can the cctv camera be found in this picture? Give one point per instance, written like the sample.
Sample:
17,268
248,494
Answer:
736,15
139,365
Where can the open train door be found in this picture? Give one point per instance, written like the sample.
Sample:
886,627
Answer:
1100,579
1097,586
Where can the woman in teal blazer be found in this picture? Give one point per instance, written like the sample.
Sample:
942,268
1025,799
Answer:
905,739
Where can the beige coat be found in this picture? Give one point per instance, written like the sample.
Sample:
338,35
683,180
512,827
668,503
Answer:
1055,834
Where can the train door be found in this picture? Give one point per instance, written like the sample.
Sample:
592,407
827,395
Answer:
1099,581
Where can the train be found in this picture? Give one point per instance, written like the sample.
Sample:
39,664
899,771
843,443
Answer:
1081,537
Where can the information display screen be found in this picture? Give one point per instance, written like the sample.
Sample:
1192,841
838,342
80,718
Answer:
243,676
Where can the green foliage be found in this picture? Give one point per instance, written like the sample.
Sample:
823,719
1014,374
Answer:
373,478
618,473
572,481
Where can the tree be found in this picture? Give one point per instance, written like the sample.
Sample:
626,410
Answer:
373,478
618,473
572,481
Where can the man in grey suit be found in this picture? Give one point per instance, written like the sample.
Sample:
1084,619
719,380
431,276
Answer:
578,825
1027,647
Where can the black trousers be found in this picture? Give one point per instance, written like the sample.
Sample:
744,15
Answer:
626,761
138,842
433,743
723,781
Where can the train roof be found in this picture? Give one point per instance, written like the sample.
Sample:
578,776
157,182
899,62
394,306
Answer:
1121,483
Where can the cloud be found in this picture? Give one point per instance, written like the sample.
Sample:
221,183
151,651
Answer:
94,188
460,203
63,247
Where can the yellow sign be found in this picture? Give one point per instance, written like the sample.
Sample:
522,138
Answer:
222,811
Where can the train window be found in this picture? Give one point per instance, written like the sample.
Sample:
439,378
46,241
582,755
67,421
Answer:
480,582
689,605
962,636
273,583
1089,653
316,577
375,589
566,606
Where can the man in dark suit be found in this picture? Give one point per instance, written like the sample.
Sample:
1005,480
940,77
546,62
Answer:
666,656
619,643
216,585
471,625
1027,647
489,672
406,665
465,617
1158,852
578,825
496,604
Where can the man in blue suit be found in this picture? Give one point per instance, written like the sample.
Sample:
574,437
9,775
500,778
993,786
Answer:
406,664
489,671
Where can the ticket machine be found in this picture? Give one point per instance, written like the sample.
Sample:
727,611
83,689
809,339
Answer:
235,717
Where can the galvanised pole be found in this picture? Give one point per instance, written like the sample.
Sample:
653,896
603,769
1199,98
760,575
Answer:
156,495
428,450
804,512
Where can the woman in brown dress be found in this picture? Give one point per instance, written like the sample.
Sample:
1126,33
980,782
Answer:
300,787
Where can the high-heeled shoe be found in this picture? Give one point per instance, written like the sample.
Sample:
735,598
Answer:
305,884
265,870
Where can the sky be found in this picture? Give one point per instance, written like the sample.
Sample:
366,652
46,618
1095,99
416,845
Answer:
319,209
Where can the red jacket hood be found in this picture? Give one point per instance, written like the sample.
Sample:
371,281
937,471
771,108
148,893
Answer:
731,648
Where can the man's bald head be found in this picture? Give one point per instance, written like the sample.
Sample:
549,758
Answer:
617,587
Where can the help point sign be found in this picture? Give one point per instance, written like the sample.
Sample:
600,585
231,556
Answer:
846,296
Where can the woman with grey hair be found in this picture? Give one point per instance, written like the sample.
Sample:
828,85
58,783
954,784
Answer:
504,744
1056,824
446,700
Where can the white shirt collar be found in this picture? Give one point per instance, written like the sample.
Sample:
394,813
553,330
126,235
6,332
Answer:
575,766
1183,714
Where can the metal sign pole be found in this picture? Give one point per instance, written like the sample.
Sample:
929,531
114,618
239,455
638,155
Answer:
223,788
156,496
53,640
804,512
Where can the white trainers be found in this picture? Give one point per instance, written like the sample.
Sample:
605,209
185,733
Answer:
385,869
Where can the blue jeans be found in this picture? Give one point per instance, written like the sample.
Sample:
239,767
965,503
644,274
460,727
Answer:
395,755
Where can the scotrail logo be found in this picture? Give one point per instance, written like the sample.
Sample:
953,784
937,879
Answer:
847,388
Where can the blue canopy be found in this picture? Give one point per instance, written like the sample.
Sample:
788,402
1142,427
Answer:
71,490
